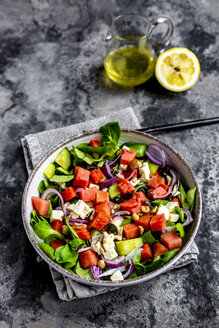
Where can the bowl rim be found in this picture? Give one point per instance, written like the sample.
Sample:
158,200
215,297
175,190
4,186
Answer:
121,283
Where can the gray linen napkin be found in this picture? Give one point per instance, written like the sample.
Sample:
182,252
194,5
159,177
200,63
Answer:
36,146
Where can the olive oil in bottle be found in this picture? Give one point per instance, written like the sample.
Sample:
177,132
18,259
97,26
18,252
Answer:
129,66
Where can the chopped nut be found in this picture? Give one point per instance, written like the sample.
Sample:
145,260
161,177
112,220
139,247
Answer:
101,264
123,238
77,224
141,230
135,217
154,210
145,209
133,165
127,217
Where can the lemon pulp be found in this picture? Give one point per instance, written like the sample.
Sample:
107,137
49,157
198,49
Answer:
129,66
177,69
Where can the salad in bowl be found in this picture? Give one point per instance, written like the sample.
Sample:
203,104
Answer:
111,211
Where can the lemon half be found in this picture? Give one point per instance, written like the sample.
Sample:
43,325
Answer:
177,69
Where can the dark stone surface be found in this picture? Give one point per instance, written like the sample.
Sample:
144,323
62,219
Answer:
51,56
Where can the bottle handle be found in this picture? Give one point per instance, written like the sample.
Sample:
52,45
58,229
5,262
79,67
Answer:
163,44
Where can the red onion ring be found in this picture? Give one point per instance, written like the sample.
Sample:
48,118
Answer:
122,213
79,189
107,170
111,271
72,221
156,155
51,191
130,270
189,217
81,250
117,217
134,253
120,260
108,183
131,176
79,247
59,208
96,272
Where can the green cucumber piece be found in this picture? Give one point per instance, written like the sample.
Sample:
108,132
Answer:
126,246
61,171
49,171
153,168
114,191
61,178
64,158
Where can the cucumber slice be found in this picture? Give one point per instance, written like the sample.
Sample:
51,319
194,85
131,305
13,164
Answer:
49,171
64,159
114,191
126,246
153,168
61,178
61,171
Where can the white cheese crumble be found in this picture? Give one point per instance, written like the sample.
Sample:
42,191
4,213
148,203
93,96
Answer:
108,250
117,276
92,185
144,171
135,181
164,210
80,209
56,215
174,217
123,167
125,147
171,206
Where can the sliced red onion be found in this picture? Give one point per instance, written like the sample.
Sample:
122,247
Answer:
168,229
122,213
72,221
189,217
112,164
81,250
117,217
130,270
175,188
107,170
51,191
112,271
108,183
79,189
157,155
59,208
79,247
96,272
66,212
131,176
117,262
134,253
118,172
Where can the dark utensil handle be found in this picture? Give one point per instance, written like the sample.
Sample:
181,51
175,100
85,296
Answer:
179,126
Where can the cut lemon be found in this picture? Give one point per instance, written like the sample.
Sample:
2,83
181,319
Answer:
177,69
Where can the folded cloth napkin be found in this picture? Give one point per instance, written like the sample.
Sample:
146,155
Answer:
36,146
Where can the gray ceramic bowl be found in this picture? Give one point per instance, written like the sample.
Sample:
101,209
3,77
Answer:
186,174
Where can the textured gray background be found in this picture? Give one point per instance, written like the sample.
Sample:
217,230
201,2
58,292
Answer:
51,55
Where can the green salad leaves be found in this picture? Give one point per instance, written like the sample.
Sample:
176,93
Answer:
108,146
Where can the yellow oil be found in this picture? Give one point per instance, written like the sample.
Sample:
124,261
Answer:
129,66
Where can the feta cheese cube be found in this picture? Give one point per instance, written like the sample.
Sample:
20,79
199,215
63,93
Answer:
56,215
92,185
174,217
80,208
117,276
123,166
145,172
135,181
164,210
171,206
97,247
109,249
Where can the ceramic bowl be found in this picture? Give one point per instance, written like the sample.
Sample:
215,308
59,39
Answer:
187,177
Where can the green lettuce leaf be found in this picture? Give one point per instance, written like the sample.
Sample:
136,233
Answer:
64,254
48,250
190,196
